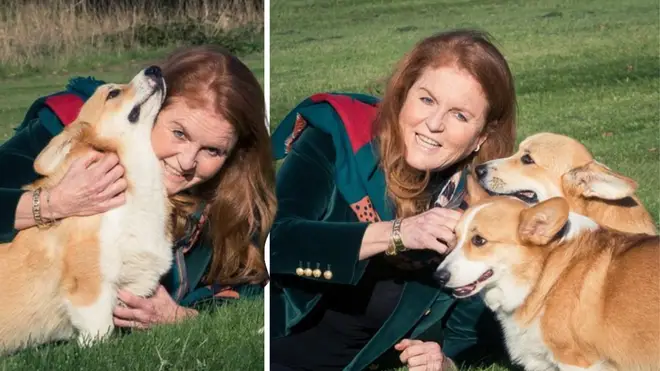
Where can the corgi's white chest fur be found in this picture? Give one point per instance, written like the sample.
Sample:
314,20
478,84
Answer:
525,344
135,249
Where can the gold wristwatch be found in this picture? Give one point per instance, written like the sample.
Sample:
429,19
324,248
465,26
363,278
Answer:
396,244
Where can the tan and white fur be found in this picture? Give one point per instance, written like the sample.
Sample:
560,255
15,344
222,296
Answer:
551,165
61,282
570,295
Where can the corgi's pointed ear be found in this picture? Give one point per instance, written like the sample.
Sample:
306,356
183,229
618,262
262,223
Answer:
598,181
541,222
475,192
51,157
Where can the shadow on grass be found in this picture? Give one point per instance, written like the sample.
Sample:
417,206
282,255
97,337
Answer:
588,75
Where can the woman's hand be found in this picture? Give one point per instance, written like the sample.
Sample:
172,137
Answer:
143,313
420,355
93,184
432,229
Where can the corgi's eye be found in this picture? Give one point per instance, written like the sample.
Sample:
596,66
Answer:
113,94
478,240
527,160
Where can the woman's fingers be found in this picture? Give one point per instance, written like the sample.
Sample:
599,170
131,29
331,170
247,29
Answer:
454,215
433,243
413,348
112,176
422,356
128,323
444,235
113,189
87,160
433,229
132,301
107,162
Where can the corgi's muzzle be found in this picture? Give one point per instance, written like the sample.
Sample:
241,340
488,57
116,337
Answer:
443,276
147,84
490,184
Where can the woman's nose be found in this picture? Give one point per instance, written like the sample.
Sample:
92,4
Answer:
435,122
187,159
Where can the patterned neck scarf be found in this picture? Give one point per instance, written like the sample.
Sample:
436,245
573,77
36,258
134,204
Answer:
179,273
450,196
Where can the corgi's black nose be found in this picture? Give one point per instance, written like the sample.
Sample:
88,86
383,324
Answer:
153,71
442,277
481,171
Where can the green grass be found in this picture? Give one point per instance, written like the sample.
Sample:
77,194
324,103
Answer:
17,93
224,340
586,69
227,339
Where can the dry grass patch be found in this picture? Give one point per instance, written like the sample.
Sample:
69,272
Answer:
37,34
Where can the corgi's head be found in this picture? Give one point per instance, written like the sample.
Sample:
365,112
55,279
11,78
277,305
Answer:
504,241
114,117
551,165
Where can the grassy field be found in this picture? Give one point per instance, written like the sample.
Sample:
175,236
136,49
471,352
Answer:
17,93
228,339
587,69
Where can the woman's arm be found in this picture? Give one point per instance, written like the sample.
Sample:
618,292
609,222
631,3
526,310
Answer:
24,217
92,184
16,170
300,238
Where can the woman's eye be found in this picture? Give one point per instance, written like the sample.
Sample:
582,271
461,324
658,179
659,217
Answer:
179,134
213,152
527,160
461,117
426,100
113,94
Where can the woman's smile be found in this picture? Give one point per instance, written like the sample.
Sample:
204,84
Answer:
172,172
426,142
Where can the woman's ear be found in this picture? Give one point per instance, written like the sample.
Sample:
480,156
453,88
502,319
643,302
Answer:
481,141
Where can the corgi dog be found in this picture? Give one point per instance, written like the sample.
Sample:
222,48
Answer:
551,165
61,282
570,295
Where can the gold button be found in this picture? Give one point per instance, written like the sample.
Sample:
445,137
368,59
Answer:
327,275
300,271
316,272
308,272
427,312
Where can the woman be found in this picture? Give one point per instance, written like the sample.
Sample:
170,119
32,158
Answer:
211,138
353,197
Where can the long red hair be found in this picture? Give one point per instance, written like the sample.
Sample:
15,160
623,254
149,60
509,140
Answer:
241,196
469,50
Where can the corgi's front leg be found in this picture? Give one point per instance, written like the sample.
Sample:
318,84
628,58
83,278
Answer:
94,321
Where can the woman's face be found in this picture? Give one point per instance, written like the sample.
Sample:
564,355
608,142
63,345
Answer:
191,144
442,118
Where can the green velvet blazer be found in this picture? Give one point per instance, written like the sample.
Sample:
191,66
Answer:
46,118
317,227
